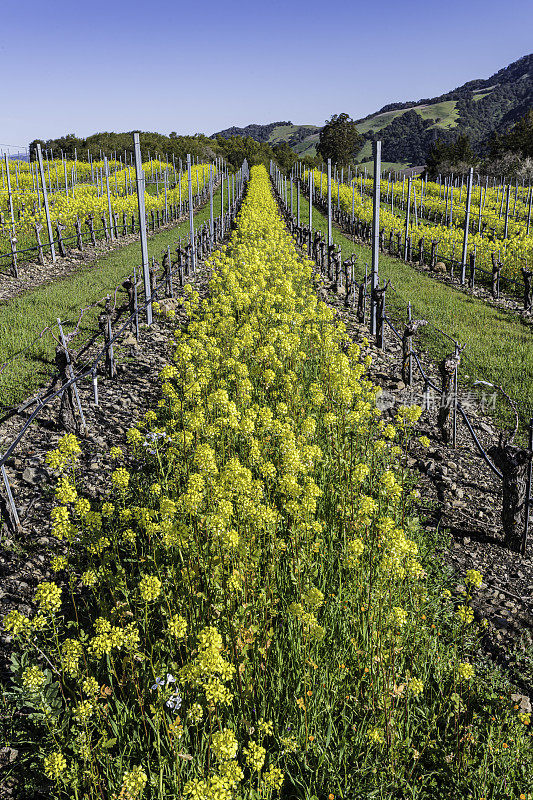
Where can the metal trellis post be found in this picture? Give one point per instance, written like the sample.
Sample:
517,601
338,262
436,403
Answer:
45,201
330,236
140,182
191,216
407,220
375,236
106,167
310,202
467,223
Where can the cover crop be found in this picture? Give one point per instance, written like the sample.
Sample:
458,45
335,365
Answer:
248,610
85,200
514,253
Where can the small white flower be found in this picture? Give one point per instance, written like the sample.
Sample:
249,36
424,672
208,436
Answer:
174,702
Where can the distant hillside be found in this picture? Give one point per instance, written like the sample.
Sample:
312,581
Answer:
275,132
260,133
478,108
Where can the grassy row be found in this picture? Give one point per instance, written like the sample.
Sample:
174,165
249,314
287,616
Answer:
24,317
499,346
255,609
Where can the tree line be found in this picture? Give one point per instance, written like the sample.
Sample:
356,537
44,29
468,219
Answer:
505,154
233,149
339,140
408,138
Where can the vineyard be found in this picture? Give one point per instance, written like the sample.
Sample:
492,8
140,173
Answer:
82,195
254,608
429,218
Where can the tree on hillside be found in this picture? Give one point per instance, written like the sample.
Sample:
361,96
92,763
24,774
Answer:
311,162
339,139
406,139
453,156
461,150
437,155
284,156
237,148
518,140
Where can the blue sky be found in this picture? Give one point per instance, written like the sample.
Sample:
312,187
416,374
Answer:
200,67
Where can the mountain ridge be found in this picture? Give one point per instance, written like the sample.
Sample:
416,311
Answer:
478,108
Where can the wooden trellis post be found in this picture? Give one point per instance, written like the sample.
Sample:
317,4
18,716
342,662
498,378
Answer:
129,287
495,284
167,266
407,361
104,322
64,364
515,466
79,238
378,299
448,369
13,243
527,275
60,243
104,226
90,224
38,228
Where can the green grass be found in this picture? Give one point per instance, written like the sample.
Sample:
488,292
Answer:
23,318
378,121
499,347
391,166
283,132
480,95
307,146
309,151
366,153
445,114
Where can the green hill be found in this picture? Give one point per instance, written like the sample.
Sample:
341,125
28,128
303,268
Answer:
478,108
297,136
